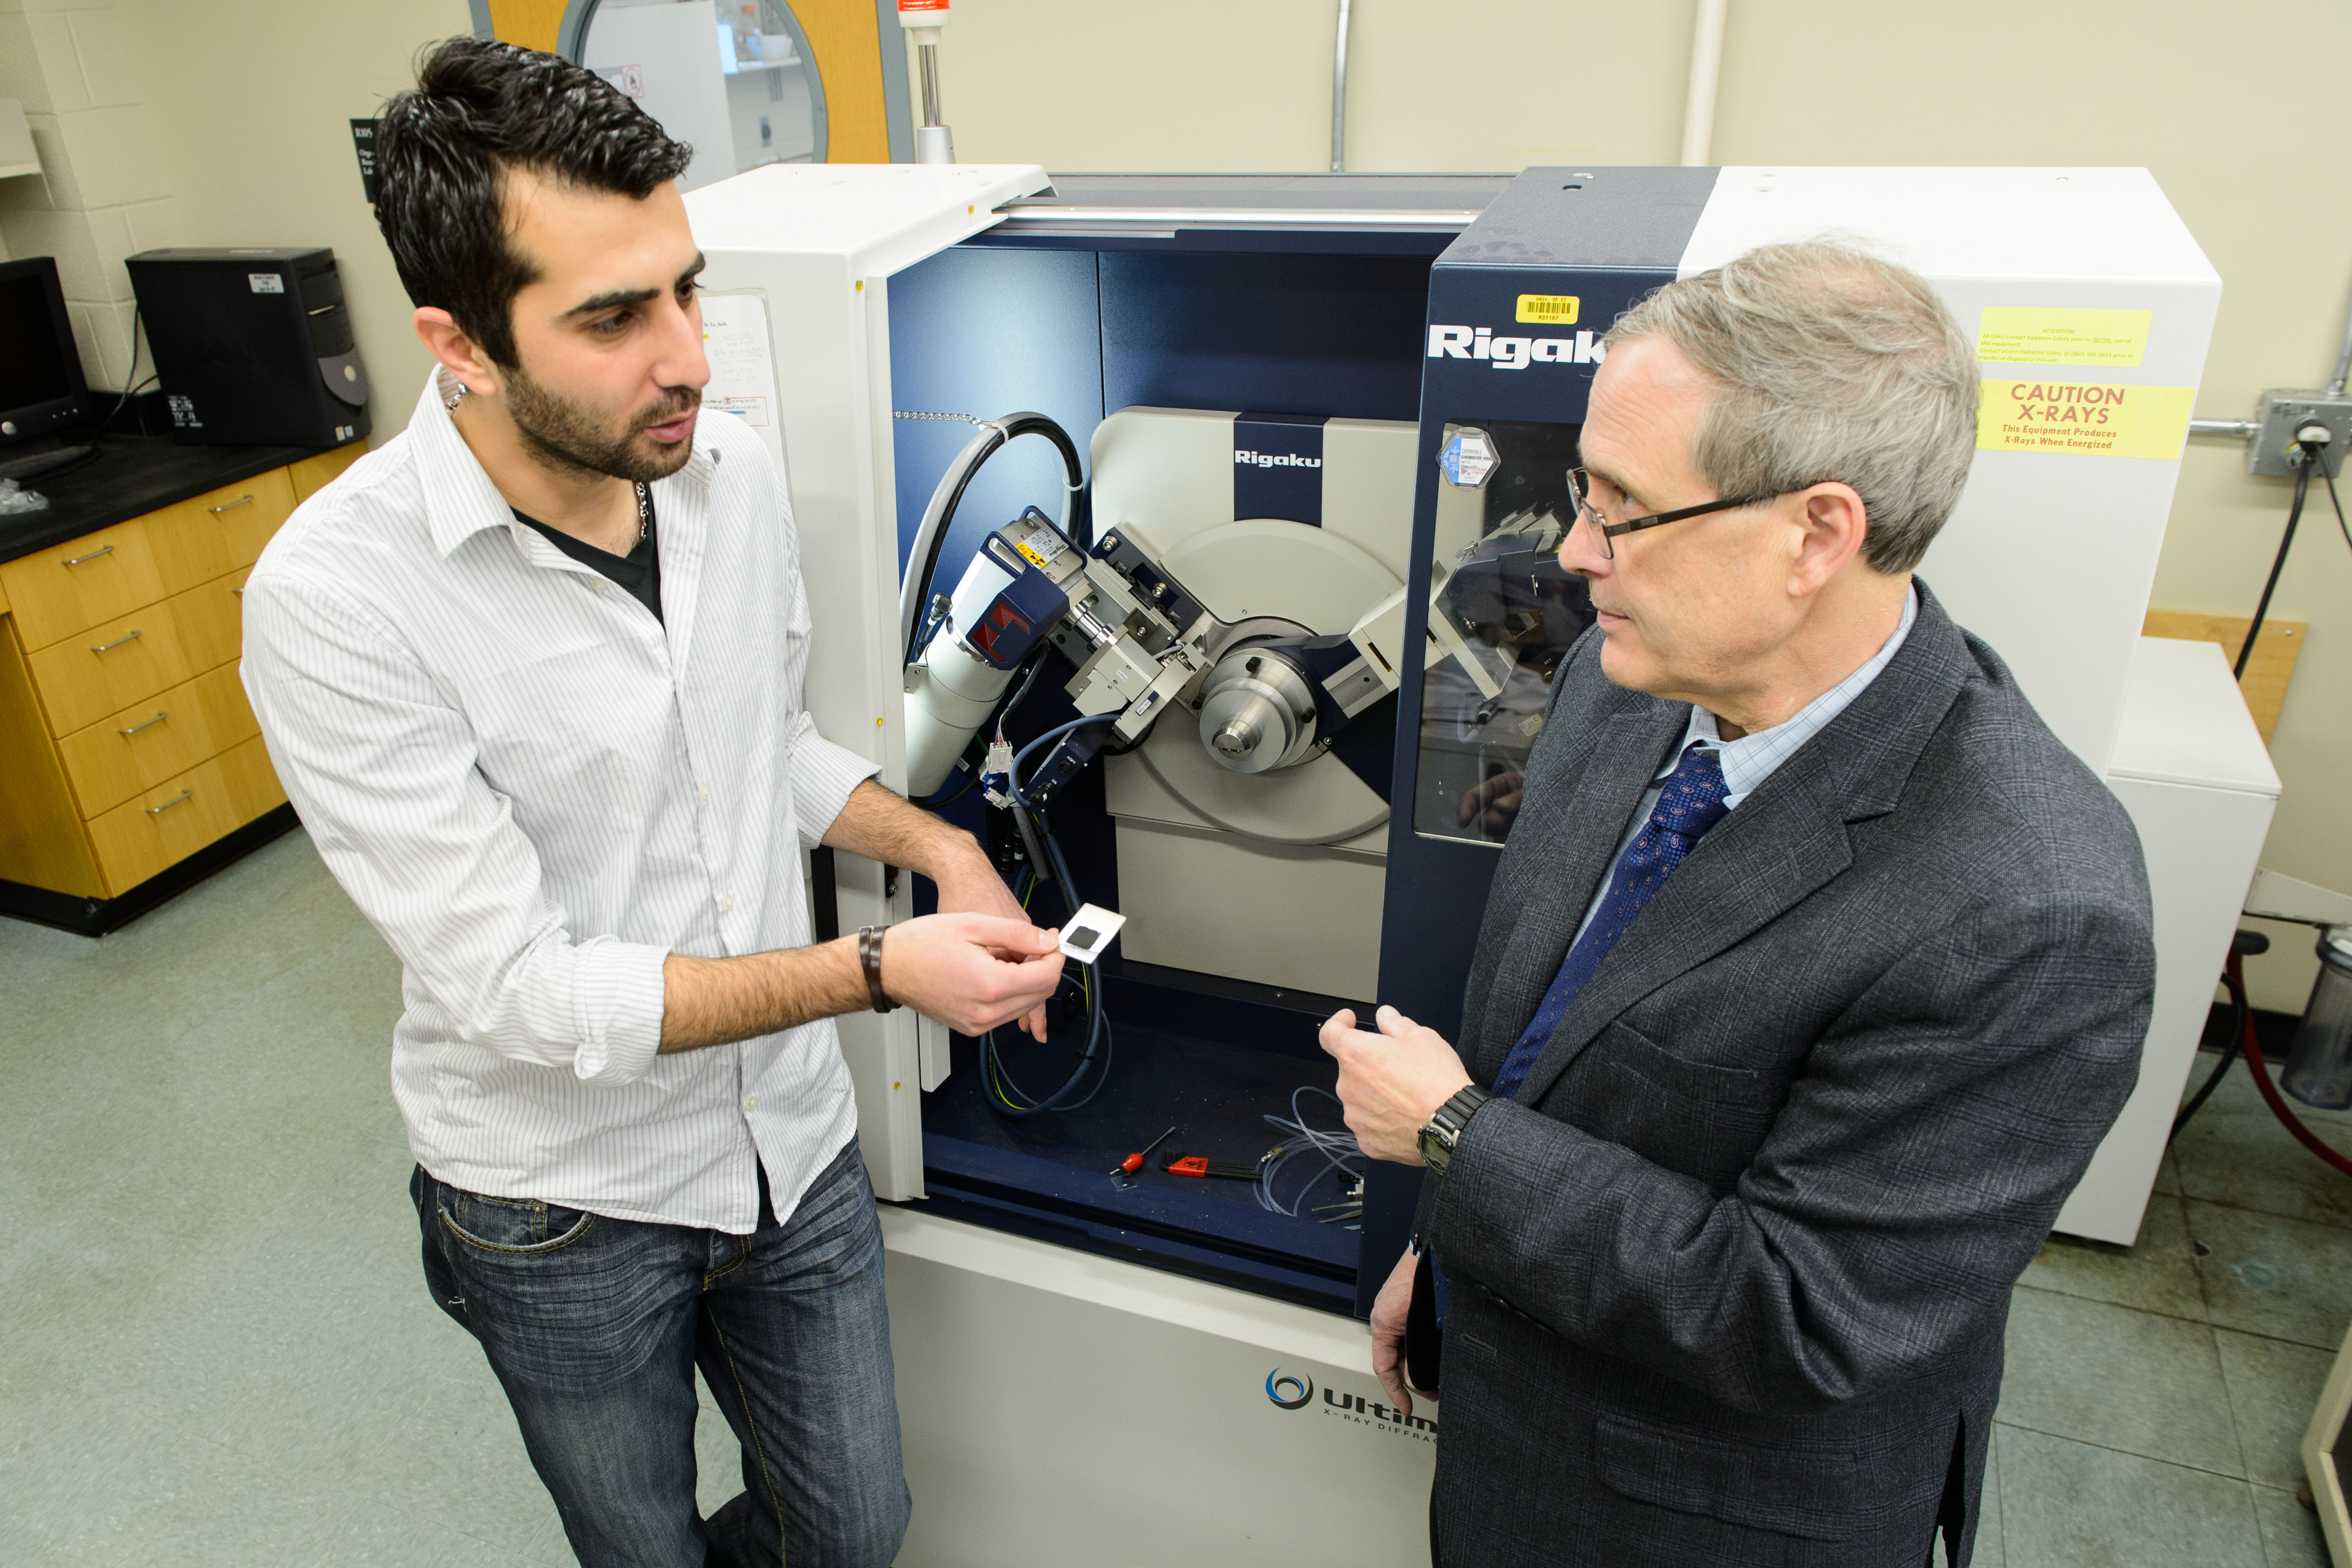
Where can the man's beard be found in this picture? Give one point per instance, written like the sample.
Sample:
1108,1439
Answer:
565,434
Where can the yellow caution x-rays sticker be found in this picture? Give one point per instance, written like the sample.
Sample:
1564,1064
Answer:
2082,419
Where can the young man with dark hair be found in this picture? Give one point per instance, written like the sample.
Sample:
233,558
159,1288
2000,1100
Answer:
577,814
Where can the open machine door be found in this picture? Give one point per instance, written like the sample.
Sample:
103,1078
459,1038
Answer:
797,316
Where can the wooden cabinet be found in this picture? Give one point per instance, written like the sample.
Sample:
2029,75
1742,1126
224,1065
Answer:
126,743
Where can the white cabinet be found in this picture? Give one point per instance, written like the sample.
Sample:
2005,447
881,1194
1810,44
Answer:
2190,768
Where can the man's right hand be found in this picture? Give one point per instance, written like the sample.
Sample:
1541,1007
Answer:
1389,1308
970,972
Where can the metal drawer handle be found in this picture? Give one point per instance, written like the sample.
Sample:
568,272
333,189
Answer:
101,549
230,505
149,725
118,642
159,810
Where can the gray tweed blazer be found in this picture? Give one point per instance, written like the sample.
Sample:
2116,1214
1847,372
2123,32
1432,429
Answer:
1730,1277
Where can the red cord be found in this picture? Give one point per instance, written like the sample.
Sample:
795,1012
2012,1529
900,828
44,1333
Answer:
2255,1065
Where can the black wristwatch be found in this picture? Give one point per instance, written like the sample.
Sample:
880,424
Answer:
1444,1128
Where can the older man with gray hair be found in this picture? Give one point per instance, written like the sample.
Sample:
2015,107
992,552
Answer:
1814,971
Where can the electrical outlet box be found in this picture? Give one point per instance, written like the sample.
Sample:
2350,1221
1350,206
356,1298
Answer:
2283,411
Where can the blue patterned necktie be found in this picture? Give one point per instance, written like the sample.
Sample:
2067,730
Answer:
1691,803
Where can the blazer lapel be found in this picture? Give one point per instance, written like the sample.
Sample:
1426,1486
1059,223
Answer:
1555,863
1780,845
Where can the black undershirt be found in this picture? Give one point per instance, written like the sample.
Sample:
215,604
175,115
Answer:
638,573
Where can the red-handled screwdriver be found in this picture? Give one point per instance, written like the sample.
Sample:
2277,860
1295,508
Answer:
1134,1163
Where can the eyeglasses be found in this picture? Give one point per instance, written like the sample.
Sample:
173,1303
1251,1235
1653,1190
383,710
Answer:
1604,531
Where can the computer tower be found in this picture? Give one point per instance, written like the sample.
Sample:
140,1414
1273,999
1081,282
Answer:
253,348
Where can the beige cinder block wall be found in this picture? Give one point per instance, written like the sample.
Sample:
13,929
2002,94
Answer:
100,193
250,100
2201,95
167,122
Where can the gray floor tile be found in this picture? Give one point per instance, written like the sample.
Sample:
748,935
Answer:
549,1544
2274,1387
462,1462
717,1462
2168,1176
2235,1152
2070,1505
2288,1278
2157,1273
1991,1552
2121,1379
368,1532
58,1453
2291,1534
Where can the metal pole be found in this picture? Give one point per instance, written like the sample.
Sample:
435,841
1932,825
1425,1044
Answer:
2343,361
1705,66
2235,429
927,55
1339,96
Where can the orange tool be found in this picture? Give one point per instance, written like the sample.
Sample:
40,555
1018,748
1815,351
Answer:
1134,1163
1202,1165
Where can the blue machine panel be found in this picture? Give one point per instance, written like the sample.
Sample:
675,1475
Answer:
1604,238
985,332
1330,334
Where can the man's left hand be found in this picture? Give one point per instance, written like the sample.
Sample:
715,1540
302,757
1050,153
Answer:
1392,1083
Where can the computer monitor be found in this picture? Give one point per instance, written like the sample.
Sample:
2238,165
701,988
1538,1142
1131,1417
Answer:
41,387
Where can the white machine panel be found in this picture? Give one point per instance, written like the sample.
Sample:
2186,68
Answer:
818,243
2051,554
1277,876
2192,769
1060,1410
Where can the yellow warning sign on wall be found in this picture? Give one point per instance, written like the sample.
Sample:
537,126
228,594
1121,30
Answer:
2029,334
2082,419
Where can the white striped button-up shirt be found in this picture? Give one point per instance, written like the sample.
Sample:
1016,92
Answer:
536,791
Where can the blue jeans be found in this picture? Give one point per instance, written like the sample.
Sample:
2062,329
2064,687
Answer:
595,1327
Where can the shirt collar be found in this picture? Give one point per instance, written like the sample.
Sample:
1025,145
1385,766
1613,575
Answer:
1750,760
460,502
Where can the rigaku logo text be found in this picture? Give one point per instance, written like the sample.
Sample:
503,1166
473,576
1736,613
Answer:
1512,353
1296,1391
1249,459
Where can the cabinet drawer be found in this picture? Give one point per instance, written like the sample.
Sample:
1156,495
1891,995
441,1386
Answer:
129,658
149,742
181,815
69,587
222,528
100,577
315,473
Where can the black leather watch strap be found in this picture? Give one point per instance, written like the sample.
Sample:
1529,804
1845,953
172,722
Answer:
869,959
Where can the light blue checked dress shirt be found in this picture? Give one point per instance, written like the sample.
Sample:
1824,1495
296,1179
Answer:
1749,760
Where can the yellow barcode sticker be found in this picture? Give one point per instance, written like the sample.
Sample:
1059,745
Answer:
1552,309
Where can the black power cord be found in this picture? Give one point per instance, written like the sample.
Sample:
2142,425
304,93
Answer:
2310,457
2244,943
932,537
